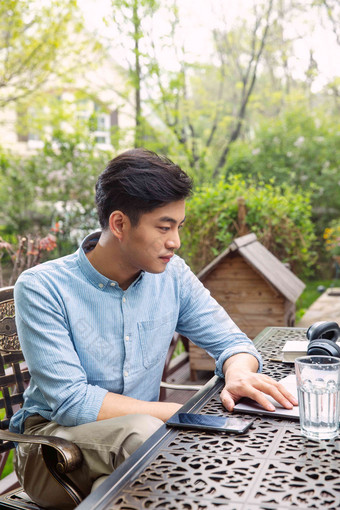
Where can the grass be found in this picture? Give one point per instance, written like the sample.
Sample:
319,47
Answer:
9,465
9,462
311,294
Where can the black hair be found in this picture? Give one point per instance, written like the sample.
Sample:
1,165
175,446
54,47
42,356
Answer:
138,181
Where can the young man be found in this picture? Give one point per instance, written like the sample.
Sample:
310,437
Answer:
95,328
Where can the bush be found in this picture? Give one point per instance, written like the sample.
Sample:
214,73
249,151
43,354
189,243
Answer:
55,185
332,238
300,147
280,216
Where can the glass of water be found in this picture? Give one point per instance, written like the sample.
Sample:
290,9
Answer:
318,385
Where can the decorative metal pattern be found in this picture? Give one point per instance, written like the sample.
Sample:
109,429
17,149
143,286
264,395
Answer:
271,467
14,376
210,477
155,502
300,485
7,309
255,442
8,336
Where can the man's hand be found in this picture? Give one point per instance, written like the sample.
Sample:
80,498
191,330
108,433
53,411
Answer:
241,380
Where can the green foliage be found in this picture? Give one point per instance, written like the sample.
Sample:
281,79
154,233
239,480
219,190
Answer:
19,196
332,238
280,216
196,112
35,42
301,147
57,184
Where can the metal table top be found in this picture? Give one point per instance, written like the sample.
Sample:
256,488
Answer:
271,467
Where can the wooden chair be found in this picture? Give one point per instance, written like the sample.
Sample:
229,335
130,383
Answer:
60,456
172,365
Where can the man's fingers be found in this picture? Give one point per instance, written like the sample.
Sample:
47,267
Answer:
288,395
281,399
277,391
257,389
261,399
228,400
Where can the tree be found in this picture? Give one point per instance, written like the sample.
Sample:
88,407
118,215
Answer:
194,124
203,105
332,8
247,74
301,147
197,109
39,42
130,17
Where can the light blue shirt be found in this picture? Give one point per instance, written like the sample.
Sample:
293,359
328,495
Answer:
83,336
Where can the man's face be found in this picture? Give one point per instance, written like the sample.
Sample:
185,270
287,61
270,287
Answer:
150,245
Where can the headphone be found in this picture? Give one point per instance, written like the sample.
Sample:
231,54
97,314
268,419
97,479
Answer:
322,338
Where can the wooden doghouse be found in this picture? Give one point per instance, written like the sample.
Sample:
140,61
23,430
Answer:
253,286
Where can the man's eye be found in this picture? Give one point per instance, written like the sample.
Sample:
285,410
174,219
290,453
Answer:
164,229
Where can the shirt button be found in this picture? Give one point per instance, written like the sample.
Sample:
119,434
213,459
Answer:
101,285
126,373
112,284
127,338
124,299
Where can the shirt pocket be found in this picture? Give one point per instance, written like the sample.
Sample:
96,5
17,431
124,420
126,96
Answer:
155,337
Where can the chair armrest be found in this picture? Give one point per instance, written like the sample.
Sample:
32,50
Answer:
173,386
70,456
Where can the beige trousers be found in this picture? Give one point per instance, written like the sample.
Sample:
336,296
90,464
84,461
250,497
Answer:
104,444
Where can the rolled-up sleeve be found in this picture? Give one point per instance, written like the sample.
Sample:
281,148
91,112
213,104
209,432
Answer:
207,324
59,380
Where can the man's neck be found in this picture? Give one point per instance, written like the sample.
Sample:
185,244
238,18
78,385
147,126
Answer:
106,258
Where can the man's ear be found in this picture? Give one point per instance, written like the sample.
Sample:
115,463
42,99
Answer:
117,224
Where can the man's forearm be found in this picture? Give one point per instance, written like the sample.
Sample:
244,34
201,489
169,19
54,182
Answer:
115,405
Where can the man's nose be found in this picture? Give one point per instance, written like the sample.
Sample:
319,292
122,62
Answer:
173,242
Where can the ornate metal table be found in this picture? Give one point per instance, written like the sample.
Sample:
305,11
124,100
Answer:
271,467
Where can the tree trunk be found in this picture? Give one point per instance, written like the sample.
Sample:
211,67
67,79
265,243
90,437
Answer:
138,111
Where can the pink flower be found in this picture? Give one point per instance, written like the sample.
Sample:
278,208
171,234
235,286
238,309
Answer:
5,246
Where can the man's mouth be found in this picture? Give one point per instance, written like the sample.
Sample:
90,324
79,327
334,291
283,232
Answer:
166,258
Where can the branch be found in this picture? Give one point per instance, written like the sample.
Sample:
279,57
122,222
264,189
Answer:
246,92
168,122
335,23
218,102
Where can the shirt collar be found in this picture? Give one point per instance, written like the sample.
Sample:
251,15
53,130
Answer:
96,278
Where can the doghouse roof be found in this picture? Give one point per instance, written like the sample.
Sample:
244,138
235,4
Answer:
264,262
